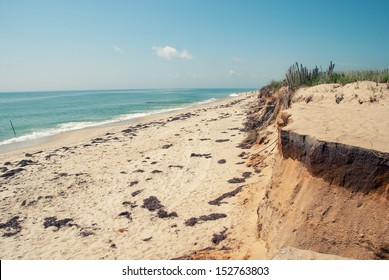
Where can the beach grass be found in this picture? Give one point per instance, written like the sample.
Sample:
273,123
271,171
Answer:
299,75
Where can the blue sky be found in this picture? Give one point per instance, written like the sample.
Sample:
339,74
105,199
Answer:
64,45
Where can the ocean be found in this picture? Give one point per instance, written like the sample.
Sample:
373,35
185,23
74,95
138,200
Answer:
36,115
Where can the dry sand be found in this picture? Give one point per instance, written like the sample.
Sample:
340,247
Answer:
108,194
355,114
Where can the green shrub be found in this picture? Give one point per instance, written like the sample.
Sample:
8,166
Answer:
275,84
298,75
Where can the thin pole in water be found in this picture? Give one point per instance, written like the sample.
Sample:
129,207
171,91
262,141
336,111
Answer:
13,127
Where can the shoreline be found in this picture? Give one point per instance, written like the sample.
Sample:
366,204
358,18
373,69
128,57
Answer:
72,137
177,182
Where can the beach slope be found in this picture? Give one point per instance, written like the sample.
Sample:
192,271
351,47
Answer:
151,190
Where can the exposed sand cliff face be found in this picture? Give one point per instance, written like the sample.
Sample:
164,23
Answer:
329,190
310,213
356,168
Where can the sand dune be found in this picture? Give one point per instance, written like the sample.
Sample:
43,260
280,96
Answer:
329,191
355,114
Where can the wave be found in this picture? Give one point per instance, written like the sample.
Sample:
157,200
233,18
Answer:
234,94
71,126
207,101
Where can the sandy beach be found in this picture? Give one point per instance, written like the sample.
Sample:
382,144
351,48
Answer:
150,190
310,182
194,139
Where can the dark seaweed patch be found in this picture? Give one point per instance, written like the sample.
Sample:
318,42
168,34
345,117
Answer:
236,180
177,166
219,237
218,200
164,214
133,183
12,172
222,140
200,155
246,174
128,130
211,217
167,146
126,214
139,171
152,203
53,222
25,162
98,140
135,193
11,227
191,222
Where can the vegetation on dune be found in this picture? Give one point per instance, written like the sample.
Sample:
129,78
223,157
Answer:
275,84
379,76
272,98
299,75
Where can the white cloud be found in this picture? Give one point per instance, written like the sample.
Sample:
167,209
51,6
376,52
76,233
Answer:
169,52
231,73
117,49
185,54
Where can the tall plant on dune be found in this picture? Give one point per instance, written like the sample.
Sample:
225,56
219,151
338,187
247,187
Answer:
298,75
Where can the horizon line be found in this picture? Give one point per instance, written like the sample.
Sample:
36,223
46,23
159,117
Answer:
119,89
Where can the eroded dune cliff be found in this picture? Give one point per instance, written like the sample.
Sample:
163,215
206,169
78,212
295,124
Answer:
329,190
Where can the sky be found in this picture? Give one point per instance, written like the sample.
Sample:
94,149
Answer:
113,44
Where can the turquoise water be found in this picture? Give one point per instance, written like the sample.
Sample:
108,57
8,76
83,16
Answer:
39,114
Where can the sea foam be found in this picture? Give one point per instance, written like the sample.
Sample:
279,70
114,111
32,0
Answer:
71,126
